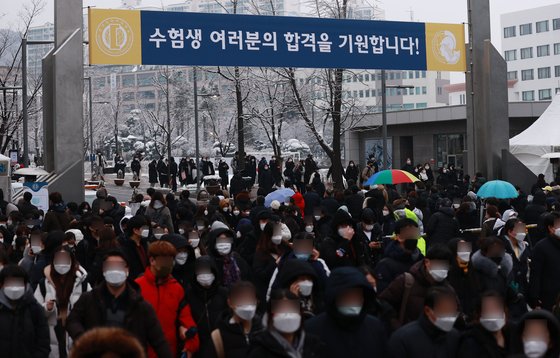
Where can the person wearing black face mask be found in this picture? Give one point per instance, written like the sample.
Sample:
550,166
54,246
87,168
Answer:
400,254
491,269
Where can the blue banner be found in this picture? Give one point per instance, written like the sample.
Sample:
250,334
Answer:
178,38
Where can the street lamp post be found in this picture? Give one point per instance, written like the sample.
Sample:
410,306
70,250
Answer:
90,103
384,87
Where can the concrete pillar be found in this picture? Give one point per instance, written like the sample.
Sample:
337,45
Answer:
487,104
62,98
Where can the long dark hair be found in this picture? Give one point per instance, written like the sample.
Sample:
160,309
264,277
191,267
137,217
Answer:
64,284
265,244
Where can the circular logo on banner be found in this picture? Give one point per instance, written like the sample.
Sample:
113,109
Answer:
444,47
114,36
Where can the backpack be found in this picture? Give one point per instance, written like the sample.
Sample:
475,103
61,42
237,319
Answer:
408,283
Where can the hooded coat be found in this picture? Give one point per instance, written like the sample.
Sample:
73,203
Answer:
339,252
553,328
266,345
360,336
235,342
167,297
24,332
52,315
289,272
209,304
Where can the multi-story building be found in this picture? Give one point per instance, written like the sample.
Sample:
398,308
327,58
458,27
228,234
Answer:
531,47
35,53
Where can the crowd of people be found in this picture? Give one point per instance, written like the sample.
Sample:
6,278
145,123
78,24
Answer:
381,271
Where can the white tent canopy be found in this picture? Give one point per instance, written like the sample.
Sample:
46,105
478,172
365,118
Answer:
539,139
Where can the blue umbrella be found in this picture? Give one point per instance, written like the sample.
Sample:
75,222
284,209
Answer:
280,194
497,189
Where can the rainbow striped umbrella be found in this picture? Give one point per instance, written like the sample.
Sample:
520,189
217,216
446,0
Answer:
393,176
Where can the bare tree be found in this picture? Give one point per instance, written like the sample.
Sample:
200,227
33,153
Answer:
11,115
336,113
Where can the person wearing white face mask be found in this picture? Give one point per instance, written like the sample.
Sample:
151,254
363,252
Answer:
269,251
461,277
57,300
537,335
347,296
231,266
207,298
285,336
117,303
18,305
235,331
520,251
183,266
135,246
431,335
490,336
369,233
159,213
343,247
406,293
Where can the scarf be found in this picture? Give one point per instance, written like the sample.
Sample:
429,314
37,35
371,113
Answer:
293,351
231,271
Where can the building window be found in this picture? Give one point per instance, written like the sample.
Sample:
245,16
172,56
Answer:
439,91
449,149
366,77
408,106
421,105
512,75
526,52
146,95
557,71
128,96
557,49
542,26
417,74
525,29
557,90
424,90
423,74
367,93
405,75
545,94
528,95
510,55
543,72
145,79
543,50
361,78
509,31
361,93
373,93
417,90
556,24
128,81
526,75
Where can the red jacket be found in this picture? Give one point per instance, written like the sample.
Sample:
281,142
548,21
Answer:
166,299
299,202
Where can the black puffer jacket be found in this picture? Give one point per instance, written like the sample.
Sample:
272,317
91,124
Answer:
442,227
361,336
421,339
24,332
480,343
208,305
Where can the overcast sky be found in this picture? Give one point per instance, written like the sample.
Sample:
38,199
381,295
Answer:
452,11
